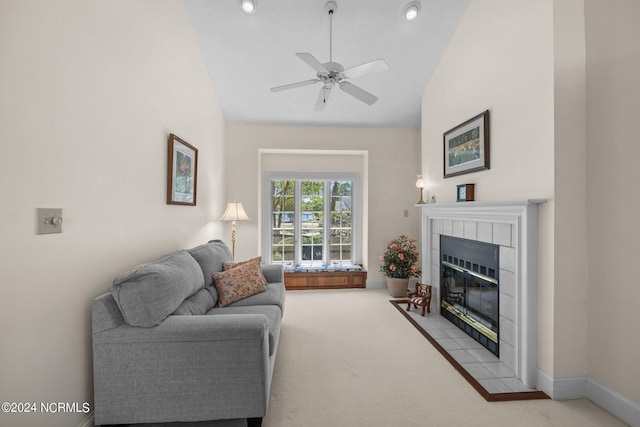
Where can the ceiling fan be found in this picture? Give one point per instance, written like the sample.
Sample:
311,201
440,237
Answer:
332,73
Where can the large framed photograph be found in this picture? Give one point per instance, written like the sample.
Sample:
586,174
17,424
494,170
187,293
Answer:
466,146
182,176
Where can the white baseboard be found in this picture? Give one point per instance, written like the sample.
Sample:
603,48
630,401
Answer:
565,388
623,408
87,422
376,284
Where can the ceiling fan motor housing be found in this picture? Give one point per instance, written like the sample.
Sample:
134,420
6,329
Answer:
334,74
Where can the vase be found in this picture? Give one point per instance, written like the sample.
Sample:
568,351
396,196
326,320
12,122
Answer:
397,287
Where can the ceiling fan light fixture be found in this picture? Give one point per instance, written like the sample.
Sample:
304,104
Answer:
411,11
249,6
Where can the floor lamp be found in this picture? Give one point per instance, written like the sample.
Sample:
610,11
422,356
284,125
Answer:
234,213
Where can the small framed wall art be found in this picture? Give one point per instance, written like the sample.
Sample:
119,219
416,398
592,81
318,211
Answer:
182,175
466,146
466,193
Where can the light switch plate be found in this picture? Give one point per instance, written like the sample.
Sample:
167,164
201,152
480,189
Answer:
43,219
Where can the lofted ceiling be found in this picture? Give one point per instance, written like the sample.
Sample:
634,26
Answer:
246,55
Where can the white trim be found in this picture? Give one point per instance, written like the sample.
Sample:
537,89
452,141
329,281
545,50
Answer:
586,387
376,284
623,408
356,206
317,151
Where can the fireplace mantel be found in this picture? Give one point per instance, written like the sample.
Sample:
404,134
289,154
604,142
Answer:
512,225
499,208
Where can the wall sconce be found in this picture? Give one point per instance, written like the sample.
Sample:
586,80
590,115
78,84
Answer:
235,212
420,185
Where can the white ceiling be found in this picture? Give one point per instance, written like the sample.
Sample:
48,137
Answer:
248,54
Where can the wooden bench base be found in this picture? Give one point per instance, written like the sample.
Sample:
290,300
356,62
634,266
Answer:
325,280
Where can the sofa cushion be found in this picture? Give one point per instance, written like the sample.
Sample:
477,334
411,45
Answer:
210,257
239,282
148,294
273,294
198,303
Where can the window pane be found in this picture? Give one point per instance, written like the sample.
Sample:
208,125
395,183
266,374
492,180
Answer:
283,220
312,217
341,225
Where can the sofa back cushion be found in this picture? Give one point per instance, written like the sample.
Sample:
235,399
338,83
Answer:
148,294
198,303
211,256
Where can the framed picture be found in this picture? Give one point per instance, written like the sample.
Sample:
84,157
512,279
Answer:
466,146
182,176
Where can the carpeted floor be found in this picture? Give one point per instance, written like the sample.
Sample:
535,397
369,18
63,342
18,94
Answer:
347,358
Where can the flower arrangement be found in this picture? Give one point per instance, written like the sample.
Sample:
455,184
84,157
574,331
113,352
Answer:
400,259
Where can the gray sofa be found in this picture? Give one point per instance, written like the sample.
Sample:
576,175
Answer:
164,351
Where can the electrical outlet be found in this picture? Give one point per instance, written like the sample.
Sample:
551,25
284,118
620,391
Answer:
406,213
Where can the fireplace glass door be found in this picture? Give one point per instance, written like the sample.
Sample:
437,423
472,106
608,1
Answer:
469,290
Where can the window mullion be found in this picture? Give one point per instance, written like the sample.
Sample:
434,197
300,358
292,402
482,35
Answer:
298,222
326,209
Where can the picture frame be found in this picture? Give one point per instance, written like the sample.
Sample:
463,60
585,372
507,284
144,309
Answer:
466,146
465,193
182,172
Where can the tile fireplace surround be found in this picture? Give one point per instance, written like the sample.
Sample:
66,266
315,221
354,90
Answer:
512,225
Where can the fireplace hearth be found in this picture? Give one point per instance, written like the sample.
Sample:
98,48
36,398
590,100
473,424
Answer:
469,288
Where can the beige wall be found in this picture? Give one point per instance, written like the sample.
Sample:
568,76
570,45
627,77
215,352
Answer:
613,103
393,162
570,346
89,93
501,59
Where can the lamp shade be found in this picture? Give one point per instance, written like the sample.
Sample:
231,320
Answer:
234,212
420,182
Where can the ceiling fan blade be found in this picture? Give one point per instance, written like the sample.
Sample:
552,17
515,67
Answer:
358,93
294,85
312,62
323,97
366,68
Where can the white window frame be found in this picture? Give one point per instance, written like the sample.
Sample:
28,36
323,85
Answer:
298,177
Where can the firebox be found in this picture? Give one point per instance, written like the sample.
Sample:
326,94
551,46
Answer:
469,295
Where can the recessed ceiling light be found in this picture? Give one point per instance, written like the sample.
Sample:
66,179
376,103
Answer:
249,6
411,11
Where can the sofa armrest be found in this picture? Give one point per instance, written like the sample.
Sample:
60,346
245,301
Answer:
190,329
188,368
273,273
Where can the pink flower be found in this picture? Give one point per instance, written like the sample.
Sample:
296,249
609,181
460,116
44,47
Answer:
381,257
392,267
401,256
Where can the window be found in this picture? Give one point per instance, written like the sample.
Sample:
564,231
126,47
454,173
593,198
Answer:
311,220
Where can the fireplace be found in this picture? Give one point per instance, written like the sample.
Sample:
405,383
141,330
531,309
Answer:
513,227
469,294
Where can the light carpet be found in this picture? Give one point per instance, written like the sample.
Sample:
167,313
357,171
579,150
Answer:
347,358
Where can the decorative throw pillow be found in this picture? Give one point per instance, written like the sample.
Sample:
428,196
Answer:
230,265
239,282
